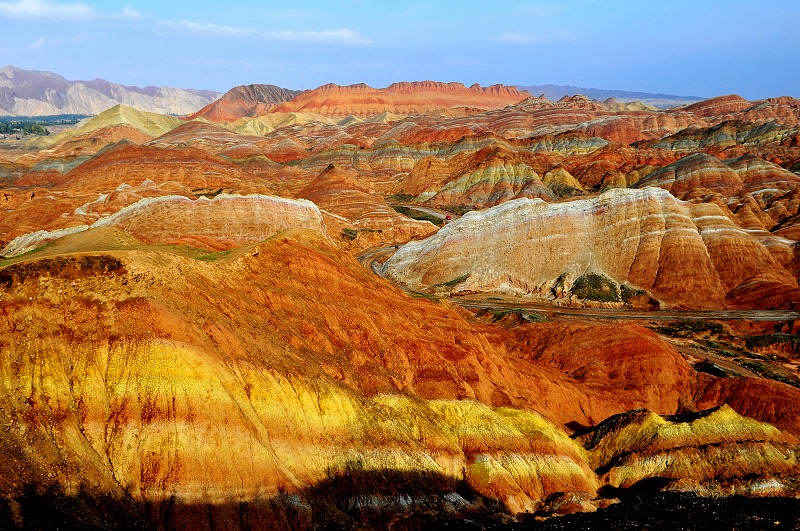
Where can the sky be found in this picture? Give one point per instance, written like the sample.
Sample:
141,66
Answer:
693,48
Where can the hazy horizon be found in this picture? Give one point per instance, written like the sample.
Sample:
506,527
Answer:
683,48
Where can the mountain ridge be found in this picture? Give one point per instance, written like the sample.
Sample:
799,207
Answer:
657,99
38,93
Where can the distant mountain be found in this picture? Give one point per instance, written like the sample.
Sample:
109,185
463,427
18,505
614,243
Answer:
245,101
37,93
556,92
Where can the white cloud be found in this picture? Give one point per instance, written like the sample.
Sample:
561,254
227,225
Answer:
79,10
61,11
342,35
45,9
38,43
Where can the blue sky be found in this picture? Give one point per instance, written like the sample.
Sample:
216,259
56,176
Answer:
681,47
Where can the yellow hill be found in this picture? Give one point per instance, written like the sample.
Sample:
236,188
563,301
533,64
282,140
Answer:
149,123
263,125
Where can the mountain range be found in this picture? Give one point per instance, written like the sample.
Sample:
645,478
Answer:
38,93
556,92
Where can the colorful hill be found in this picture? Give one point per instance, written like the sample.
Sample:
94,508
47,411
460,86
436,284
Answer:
400,98
244,101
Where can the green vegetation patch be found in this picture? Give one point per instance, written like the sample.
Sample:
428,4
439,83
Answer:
36,125
349,234
211,257
563,191
8,128
423,295
770,371
498,314
413,213
689,327
401,197
595,287
767,340
712,368
450,283
627,292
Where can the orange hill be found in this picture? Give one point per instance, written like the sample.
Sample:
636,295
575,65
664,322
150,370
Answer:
244,100
401,98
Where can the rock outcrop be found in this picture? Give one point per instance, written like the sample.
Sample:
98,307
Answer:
479,179
146,123
185,343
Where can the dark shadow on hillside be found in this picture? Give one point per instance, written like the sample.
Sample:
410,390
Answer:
347,499
388,499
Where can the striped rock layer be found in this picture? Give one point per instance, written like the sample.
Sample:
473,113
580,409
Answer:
226,220
681,253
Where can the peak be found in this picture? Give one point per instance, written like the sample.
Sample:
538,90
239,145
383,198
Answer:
728,97
119,107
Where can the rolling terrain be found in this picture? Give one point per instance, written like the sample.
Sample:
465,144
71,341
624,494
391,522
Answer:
427,304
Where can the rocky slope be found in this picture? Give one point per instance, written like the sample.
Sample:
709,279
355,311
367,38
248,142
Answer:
228,378
33,93
604,249
486,177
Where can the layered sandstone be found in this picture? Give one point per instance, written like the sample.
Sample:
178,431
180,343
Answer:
597,249
245,101
731,178
231,378
714,452
481,178
147,123
359,214
226,220
400,98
